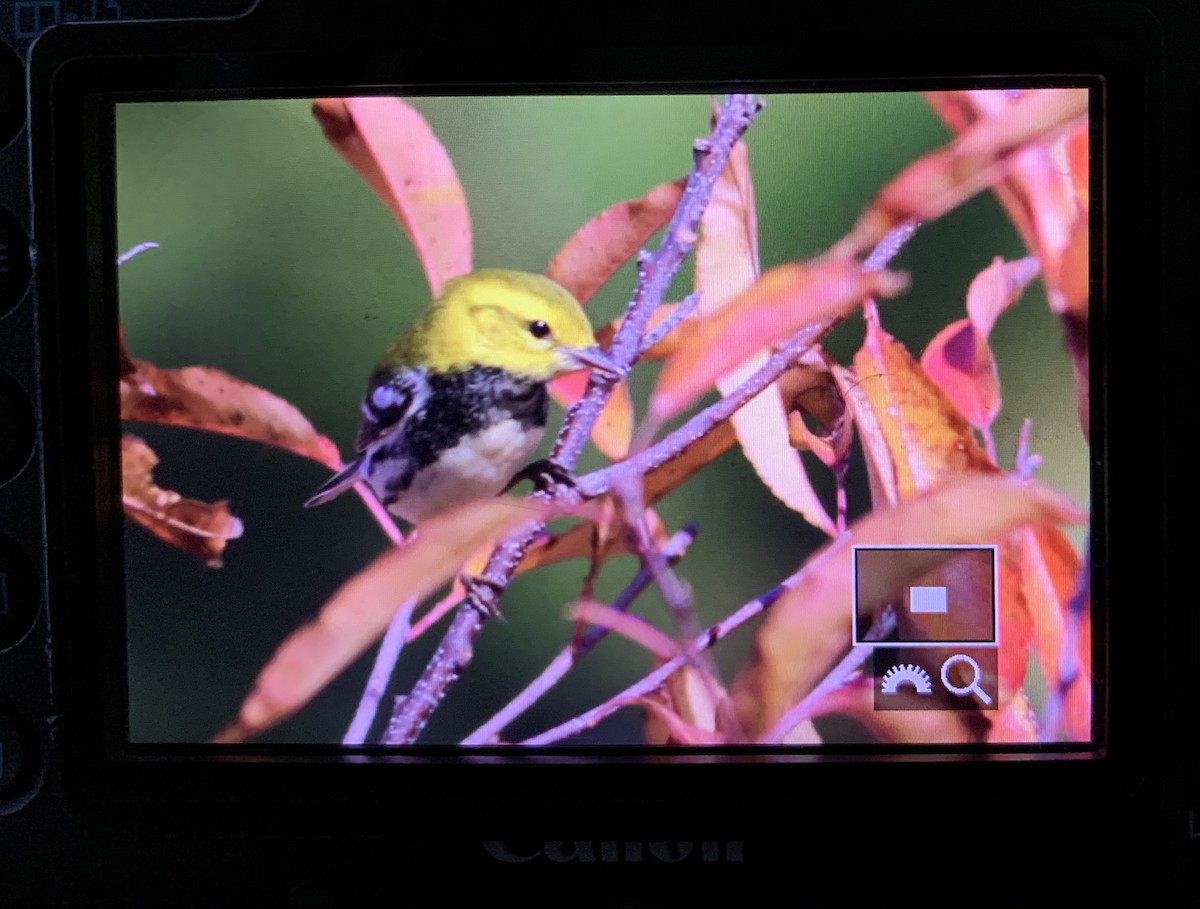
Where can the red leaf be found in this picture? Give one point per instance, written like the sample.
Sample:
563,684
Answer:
202,398
605,243
394,150
780,303
982,155
959,358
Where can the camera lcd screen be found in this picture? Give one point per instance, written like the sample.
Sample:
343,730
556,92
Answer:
830,486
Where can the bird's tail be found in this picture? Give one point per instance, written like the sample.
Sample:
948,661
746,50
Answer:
336,485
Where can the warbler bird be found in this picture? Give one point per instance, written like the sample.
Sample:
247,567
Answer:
458,403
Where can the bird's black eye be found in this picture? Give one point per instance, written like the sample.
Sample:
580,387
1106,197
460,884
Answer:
539,329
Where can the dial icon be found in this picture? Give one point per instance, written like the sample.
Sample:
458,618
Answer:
906,674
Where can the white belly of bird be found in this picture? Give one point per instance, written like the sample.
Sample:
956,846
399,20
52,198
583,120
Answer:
478,467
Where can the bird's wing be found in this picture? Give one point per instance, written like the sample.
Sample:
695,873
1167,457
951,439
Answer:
391,398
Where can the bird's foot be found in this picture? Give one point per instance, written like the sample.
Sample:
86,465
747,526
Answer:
483,594
546,476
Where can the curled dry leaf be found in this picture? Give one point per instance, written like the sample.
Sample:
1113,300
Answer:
959,358
983,154
359,611
199,397
727,265
200,528
809,390
783,301
395,151
808,629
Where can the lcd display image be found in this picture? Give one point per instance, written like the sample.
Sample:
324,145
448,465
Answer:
829,487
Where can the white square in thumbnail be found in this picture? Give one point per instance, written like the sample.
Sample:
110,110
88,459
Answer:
926,600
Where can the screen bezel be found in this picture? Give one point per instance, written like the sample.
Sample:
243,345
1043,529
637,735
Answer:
220,62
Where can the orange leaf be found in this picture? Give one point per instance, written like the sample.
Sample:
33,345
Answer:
927,437
809,628
881,473
359,611
200,528
202,398
856,699
605,243
394,150
979,158
666,727
959,358
726,266
702,452
780,303
614,427
1050,569
684,711
1014,721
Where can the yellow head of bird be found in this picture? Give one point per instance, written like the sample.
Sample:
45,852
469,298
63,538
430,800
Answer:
517,321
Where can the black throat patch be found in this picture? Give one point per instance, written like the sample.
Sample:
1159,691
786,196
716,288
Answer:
461,404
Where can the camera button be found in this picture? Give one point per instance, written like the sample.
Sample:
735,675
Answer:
15,269
12,95
21,765
16,416
20,599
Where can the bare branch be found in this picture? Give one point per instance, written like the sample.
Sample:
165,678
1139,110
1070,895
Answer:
655,272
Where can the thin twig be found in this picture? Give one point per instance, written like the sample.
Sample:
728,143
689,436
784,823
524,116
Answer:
673,321
489,732
836,677
135,251
680,603
655,272
381,674
652,682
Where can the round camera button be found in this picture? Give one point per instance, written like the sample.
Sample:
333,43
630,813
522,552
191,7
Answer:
15,269
20,598
22,765
16,417
12,755
12,95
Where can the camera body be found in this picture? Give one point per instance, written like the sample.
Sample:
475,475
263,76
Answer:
88,812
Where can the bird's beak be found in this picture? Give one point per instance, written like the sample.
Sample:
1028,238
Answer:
593,358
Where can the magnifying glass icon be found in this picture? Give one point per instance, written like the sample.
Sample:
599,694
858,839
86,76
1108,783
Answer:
972,686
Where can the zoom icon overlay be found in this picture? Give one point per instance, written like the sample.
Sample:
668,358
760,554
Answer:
931,616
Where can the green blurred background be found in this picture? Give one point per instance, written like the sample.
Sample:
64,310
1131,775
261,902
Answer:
279,265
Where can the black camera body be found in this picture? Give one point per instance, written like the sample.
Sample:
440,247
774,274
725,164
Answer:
94,812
